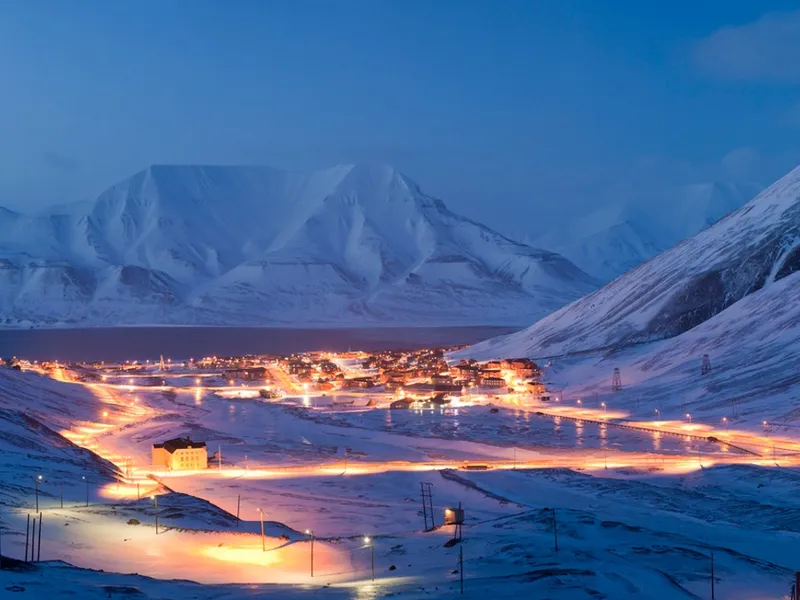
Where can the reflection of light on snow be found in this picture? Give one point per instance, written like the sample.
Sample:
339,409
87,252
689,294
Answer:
251,554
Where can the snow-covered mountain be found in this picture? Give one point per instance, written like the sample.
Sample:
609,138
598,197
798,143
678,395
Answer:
614,239
260,246
749,250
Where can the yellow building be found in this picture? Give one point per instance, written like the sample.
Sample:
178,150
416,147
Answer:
180,454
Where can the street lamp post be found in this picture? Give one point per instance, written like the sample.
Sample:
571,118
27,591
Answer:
36,480
86,481
603,404
658,414
311,533
369,543
689,417
725,421
263,542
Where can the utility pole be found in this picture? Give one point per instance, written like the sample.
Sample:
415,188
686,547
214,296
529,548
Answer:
616,380
238,505
311,533
33,538
39,551
263,542
27,534
430,501
705,367
36,481
712,573
424,504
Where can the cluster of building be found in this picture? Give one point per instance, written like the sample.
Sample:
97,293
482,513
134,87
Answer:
314,369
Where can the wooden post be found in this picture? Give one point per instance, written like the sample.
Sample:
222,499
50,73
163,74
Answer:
424,504
312,554
39,545
33,538
712,576
430,501
238,505
27,533
555,531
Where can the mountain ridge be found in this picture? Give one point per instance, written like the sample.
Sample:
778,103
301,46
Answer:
613,239
679,289
257,245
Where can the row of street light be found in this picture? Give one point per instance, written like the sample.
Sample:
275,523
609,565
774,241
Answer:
40,479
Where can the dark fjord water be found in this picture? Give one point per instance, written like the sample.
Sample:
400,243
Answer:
140,343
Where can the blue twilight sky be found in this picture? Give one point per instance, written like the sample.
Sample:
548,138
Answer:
514,112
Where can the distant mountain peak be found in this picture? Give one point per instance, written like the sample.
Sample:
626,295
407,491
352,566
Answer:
745,252
255,245
615,238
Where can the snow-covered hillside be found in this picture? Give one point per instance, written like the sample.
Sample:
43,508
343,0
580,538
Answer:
614,239
257,246
752,249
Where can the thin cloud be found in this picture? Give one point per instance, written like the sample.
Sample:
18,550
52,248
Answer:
764,51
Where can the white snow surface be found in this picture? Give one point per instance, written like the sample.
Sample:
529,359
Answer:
614,239
726,277
348,245
622,533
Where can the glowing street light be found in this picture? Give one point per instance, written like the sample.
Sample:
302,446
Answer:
311,533
689,417
369,543
86,481
603,404
658,414
725,422
263,542
105,414
579,401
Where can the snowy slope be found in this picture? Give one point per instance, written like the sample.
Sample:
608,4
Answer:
749,250
255,245
614,239
33,412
